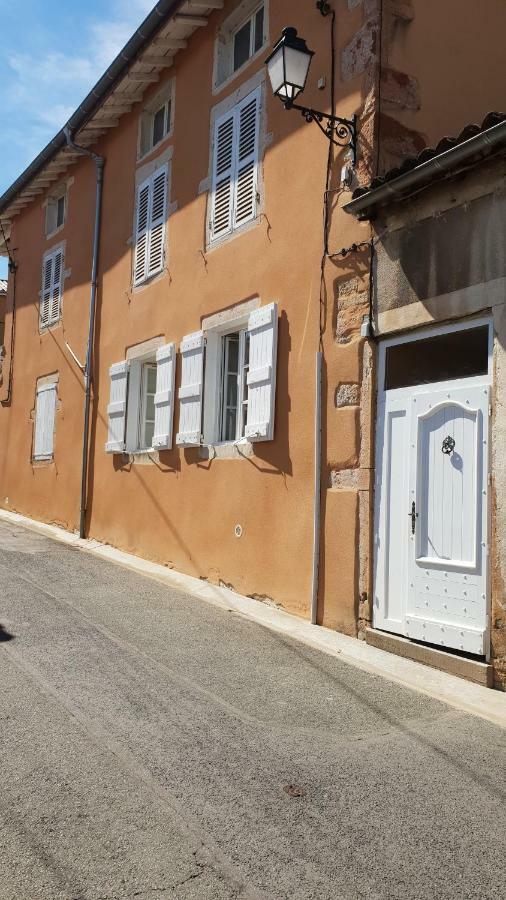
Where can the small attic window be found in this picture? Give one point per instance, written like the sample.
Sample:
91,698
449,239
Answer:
56,209
241,37
157,120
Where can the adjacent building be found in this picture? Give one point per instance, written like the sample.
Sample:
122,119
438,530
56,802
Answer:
249,295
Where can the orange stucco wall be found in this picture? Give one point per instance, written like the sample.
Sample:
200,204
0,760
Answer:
182,510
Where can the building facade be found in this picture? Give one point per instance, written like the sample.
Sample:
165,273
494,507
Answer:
219,293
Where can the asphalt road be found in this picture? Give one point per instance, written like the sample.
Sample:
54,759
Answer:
153,746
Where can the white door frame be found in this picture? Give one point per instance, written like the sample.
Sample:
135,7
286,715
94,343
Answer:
403,394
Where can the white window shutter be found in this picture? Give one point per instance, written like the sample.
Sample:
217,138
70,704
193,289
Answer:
157,221
45,296
143,214
45,410
263,349
190,392
117,408
248,127
223,174
56,290
164,397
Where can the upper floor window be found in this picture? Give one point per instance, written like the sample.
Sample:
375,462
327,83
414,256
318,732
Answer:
249,38
156,119
235,167
240,38
56,209
150,226
52,287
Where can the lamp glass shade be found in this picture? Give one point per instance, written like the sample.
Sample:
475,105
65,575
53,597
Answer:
288,65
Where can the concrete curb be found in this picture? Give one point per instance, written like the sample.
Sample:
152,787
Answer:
463,695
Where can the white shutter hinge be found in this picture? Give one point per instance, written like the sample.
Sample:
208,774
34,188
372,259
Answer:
490,409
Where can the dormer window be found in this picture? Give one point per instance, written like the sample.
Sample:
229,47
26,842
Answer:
156,120
240,39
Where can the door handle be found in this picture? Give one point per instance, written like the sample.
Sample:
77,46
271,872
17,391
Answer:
413,515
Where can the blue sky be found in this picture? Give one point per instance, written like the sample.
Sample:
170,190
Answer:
51,53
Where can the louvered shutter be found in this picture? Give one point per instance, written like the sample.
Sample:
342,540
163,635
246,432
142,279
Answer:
190,392
164,397
56,288
157,220
263,337
142,231
44,422
246,180
117,408
47,284
223,175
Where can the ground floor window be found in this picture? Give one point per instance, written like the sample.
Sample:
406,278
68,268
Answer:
234,385
146,403
228,380
141,405
44,421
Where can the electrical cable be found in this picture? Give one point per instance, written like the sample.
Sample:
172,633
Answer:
12,271
326,216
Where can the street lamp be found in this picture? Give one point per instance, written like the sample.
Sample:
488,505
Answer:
288,67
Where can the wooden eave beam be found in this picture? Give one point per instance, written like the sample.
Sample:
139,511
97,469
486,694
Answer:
168,43
163,61
142,77
117,110
193,21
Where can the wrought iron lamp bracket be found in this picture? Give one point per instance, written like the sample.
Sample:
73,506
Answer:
339,131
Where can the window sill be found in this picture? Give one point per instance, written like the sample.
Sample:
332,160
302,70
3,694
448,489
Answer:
137,288
218,87
143,457
214,243
43,329
227,450
51,234
144,157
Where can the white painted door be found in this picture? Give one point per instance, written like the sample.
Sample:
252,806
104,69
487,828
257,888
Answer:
431,579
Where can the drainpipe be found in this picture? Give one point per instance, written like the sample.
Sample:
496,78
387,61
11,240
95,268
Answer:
99,163
317,489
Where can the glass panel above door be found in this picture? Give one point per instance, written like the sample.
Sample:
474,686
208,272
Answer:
443,357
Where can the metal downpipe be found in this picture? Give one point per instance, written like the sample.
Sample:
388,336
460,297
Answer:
88,369
317,490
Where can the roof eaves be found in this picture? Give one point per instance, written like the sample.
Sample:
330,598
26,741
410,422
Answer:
157,18
432,164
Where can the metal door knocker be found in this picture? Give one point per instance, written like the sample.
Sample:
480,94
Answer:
448,445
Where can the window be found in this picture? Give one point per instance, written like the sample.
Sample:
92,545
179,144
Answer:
235,167
52,288
141,407
228,381
147,406
443,357
156,120
240,38
150,226
45,409
55,212
249,38
234,385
